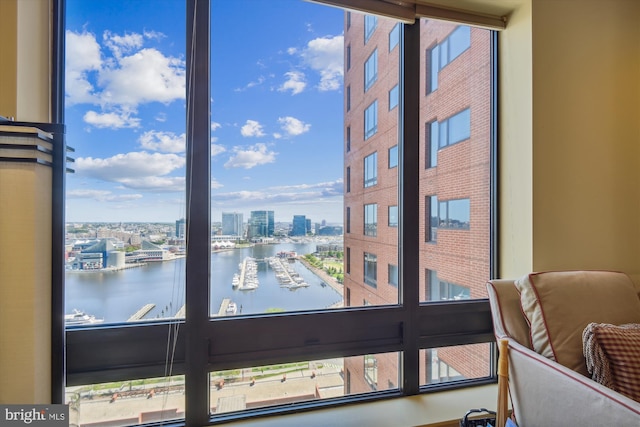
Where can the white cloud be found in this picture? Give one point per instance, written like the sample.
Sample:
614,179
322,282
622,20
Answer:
249,85
217,149
215,184
102,195
122,44
145,76
252,128
140,170
295,82
325,55
166,142
82,56
215,126
293,126
114,120
161,117
287,194
253,156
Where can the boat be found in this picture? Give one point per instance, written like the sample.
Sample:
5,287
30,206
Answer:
79,317
232,308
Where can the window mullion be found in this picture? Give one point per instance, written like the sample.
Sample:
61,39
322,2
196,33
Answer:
198,215
409,151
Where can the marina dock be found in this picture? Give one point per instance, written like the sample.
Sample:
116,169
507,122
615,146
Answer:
142,312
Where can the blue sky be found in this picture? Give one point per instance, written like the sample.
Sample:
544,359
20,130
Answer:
277,109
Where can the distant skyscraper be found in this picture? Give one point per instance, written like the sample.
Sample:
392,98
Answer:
261,224
299,225
180,228
308,224
232,224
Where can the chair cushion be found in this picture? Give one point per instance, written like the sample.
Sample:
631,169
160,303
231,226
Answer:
612,354
559,305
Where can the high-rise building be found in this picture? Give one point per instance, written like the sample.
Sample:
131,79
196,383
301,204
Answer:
454,138
180,228
261,224
232,224
299,227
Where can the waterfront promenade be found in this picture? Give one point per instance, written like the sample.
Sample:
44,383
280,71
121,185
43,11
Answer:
326,278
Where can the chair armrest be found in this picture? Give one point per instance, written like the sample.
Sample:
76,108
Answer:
545,393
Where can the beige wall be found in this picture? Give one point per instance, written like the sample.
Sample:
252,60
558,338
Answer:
25,198
25,66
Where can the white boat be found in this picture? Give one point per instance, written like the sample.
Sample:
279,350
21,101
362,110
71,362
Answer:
80,318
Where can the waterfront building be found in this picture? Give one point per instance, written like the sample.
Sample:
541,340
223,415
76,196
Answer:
308,225
299,227
232,223
261,224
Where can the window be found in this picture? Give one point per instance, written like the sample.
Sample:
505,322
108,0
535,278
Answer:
454,214
440,290
393,275
449,49
371,170
370,269
393,157
432,144
371,120
348,20
394,37
370,23
203,382
393,97
432,220
371,220
454,129
348,54
371,70
393,216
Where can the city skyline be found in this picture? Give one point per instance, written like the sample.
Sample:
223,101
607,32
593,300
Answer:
279,105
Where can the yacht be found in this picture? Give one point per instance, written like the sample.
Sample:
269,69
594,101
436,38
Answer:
80,318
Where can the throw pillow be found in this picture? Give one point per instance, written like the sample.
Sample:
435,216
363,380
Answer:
558,306
612,354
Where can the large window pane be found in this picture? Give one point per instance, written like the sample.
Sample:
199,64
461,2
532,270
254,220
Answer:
125,205
456,363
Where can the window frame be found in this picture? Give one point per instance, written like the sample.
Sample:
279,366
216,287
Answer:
121,352
371,120
371,219
370,170
371,70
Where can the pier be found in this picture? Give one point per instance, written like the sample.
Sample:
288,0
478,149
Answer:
142,312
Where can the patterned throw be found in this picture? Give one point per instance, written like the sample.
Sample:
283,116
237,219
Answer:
612,354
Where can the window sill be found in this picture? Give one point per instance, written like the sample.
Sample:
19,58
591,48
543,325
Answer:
433,409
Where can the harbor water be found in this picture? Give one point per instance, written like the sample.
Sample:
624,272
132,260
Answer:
116,295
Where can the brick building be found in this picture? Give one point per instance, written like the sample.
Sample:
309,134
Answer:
455,162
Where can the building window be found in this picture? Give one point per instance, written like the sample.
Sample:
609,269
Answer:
393,216
371,120
442,54
347,260
348,219
454,214
371,269
371,219
393,157
348,96
370,24
371,371
348,53
432,144
440,290
393,97
348,20
394,37
371,70
431,210
348,139
348,179
393,275
371,170
455,129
